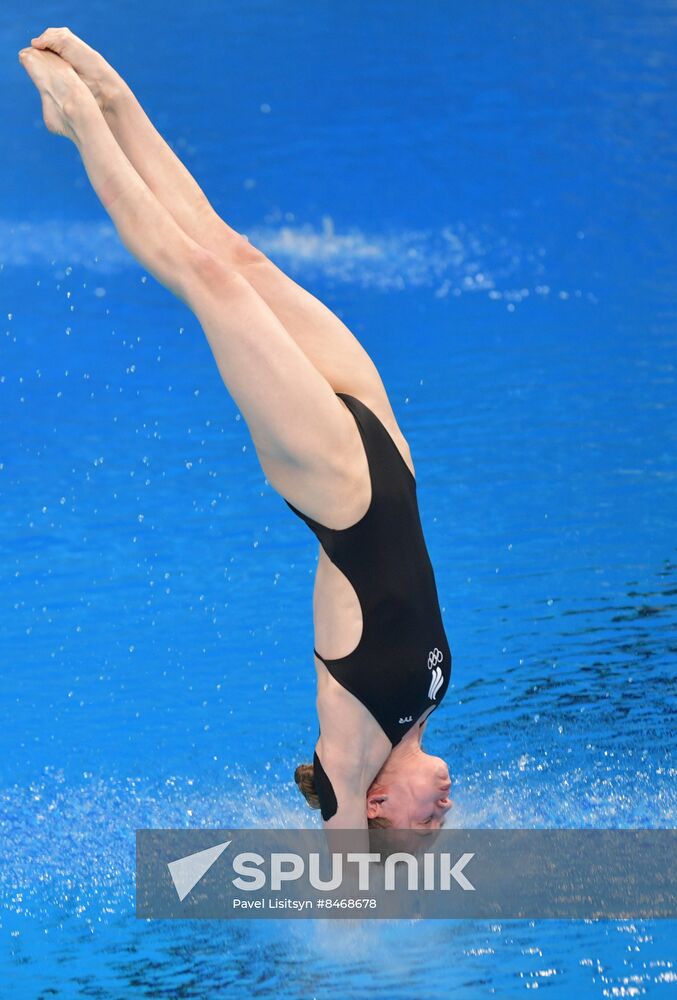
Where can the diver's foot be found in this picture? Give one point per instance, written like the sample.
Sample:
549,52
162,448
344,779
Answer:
63,93
97,74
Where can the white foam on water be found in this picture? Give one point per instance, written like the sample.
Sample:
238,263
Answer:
452,260
455,259
90,244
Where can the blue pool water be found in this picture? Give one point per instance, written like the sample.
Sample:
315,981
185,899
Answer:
486,196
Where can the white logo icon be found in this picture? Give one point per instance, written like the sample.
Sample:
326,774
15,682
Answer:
407,718
435,657
187,872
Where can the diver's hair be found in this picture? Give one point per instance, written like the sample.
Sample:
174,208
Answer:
304,776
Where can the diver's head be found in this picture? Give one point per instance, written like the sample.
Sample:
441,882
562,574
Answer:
411,791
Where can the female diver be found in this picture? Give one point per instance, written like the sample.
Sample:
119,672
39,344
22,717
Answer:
324,433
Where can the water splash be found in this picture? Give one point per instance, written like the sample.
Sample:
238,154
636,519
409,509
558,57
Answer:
70,846
452,261
455,260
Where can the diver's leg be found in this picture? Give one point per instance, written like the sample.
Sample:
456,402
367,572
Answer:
322,336
303,435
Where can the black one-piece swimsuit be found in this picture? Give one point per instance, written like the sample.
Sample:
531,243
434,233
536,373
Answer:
402,664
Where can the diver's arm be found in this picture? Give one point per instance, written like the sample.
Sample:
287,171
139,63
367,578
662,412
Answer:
351,813
343,797
347,829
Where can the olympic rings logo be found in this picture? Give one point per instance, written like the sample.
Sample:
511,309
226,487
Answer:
435,656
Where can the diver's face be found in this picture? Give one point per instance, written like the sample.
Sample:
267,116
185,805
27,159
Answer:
417,796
